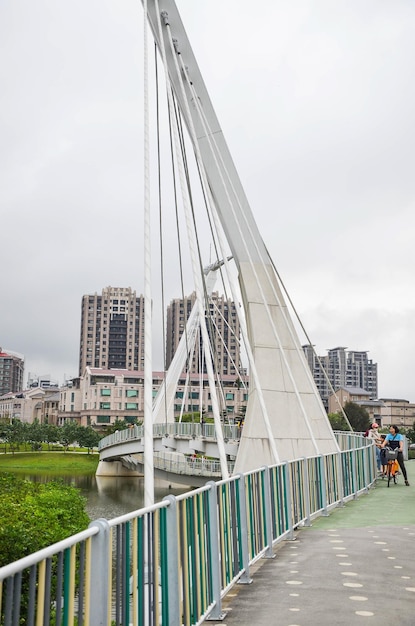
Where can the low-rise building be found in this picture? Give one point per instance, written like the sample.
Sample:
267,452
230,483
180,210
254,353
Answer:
102,396
399,412
359,396
30,405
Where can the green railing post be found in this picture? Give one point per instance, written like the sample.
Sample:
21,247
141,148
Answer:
289,500
100,546
268,516
245,579
354,473
216,613
340,483
323,486
366,468
173,591
306,493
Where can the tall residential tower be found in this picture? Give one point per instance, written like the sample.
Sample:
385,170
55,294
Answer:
223,328
112,330
343,369
11,372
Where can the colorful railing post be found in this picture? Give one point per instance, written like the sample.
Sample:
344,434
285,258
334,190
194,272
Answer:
216,613
288,499
340,483
366,469
100,573
268,516
245,578
172,562
306,494
323,485
354,477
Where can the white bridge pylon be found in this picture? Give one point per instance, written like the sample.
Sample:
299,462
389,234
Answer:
163,409
285,418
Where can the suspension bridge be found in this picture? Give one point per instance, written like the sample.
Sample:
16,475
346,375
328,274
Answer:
172,562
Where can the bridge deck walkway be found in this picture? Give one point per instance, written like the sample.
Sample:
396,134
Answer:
354,567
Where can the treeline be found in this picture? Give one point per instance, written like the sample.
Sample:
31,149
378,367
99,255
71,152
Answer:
18,435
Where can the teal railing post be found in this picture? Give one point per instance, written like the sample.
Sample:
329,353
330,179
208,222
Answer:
306,493
216,613
172,562
289,500
245,579
366,467
354,473
340,479
323,486
268,516
100,546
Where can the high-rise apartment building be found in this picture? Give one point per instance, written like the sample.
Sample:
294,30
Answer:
223,328
112,330
11,372
352,369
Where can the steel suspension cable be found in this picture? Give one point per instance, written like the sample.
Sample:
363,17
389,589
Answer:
148,363
243,325
197,280
163,324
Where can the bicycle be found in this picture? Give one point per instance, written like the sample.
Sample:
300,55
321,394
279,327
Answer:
393,465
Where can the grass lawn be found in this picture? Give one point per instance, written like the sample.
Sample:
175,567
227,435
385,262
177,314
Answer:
56,462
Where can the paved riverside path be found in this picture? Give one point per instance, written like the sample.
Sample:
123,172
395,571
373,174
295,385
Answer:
354,567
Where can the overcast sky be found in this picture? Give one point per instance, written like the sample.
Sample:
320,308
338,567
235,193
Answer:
316,100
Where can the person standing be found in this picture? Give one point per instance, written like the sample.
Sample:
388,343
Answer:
373,433
383,460
395,440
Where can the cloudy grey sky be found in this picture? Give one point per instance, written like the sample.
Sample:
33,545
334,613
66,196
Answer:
316,99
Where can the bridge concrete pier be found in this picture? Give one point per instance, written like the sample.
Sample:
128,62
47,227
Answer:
115,468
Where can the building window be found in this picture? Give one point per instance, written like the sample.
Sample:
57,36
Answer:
230,396
131,405
194,395
105,392
131,393
104,405
103,419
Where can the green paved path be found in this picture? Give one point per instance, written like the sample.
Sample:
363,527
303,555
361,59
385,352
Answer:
355,567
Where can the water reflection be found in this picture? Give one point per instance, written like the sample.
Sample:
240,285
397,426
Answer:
111,496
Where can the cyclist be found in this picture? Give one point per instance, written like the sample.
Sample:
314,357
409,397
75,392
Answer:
395,440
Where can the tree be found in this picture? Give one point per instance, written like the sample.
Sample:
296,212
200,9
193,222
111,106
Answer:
50,434
338,422
358,417
35,435
34,516
68,434
411,433
14,434
87,437
117,425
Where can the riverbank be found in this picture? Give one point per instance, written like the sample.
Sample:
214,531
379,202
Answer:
50,462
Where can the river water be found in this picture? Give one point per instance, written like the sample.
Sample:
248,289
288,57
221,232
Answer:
110,496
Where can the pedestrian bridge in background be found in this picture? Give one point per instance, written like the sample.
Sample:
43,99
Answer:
175,449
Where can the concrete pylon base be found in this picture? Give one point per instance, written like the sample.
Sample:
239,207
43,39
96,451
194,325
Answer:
114,468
